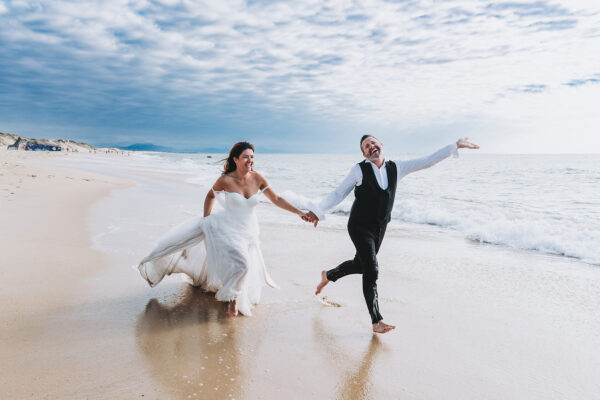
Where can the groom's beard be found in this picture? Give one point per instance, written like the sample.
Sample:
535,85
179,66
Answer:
375,155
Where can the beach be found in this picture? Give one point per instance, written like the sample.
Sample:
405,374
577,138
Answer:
474,320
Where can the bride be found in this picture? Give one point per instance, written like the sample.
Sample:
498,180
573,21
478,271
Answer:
221,252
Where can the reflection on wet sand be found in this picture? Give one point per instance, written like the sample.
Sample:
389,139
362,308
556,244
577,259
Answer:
356,382
191,345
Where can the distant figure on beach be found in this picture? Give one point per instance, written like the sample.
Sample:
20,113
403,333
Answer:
220,252
374,182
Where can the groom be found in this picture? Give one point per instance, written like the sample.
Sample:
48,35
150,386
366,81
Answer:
374,182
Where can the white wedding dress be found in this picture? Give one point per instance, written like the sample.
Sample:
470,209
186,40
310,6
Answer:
220,253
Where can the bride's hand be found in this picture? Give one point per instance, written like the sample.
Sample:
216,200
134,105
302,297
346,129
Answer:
309,216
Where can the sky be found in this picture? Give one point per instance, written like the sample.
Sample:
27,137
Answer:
304,76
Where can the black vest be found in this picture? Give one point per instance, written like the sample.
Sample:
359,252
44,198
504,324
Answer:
372,204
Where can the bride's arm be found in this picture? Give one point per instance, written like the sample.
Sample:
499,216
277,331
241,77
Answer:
209,201
281,202
278,200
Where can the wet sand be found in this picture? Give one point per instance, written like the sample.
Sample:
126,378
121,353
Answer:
473,321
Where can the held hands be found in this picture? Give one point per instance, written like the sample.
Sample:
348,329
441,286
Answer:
310,217
464,143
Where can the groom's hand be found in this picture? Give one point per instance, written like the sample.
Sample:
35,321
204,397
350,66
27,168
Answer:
312,217
464,143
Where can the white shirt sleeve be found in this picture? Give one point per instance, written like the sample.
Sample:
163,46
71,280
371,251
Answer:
354,178
408,166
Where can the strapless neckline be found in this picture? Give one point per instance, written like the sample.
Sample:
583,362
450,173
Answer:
247,198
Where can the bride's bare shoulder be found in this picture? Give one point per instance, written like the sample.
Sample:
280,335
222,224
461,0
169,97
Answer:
222,182
261,180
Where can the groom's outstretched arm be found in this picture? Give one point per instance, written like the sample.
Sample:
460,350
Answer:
317,212
417,164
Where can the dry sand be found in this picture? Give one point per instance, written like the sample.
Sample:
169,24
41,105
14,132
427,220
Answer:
47,351
474,321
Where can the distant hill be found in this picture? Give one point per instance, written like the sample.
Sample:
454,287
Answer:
147,147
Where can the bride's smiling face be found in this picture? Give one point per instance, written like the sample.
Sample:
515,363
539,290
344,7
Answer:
245,161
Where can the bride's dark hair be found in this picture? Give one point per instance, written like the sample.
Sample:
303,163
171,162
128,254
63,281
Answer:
235,151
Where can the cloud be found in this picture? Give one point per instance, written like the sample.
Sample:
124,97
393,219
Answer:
531,88
580,82
554,25
528,9
177,64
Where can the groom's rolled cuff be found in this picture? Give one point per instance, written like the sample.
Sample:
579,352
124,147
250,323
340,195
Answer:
454,150
317,211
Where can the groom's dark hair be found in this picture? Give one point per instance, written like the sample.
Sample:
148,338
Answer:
362,139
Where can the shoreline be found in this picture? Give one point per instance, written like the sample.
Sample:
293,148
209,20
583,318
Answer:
474,320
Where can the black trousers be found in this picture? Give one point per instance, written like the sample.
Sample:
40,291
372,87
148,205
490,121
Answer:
367,239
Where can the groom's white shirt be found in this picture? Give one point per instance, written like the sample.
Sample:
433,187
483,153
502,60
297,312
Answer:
354,177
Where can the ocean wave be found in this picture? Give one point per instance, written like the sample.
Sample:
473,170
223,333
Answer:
146,156
298,200
186,164
511,225
549,234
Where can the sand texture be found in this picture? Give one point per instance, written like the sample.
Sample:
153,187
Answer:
473,321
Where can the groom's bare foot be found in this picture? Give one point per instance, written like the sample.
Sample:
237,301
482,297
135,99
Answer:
382,327
232,310
324,281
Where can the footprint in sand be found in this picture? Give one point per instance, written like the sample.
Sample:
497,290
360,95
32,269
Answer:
329,303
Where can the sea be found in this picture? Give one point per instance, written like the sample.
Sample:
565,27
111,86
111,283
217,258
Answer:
541,203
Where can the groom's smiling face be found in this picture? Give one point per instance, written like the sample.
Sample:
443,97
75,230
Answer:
372,149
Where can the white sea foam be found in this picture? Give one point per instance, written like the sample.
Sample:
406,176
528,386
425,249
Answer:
298,200
187,163
549,235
